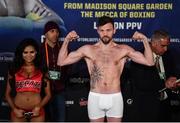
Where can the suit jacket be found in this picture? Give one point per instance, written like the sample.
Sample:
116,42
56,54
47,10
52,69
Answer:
142,83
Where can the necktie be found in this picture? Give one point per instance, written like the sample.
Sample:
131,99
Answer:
157,63
160,68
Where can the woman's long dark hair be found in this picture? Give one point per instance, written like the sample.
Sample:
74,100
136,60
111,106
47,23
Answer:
18,58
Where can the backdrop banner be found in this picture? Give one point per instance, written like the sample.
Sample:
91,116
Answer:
21,19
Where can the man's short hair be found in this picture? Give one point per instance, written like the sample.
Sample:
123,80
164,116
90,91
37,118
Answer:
104,20
159,34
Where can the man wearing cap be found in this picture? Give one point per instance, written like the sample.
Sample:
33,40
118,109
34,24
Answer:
49,50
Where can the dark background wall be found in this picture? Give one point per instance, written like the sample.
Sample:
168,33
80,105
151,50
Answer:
14,28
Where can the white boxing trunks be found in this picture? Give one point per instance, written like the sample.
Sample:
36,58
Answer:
101,105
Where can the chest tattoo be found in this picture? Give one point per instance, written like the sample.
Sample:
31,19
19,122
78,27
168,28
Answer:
96,74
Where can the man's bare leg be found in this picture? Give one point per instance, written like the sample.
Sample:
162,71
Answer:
97,120
113,119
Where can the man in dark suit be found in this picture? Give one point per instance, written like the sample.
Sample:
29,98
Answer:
143,96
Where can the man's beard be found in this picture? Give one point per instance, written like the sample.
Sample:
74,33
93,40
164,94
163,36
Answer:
106,40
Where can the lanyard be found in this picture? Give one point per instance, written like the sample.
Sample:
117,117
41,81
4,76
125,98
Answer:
47,56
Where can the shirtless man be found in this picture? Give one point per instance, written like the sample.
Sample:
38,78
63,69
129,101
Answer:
105,60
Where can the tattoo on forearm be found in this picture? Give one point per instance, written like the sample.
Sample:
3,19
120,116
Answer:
96,75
